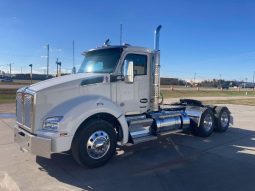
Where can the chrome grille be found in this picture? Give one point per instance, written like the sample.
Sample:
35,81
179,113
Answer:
28,110
19,106
24,109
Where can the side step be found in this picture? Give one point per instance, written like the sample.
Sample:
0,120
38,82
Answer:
153,137
171,132
144,139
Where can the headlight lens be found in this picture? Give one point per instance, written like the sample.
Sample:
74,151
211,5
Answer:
52,123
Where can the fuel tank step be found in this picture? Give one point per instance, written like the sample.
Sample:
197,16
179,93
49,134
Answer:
144,139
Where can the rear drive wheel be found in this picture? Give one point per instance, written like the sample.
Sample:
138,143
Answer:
95,144
222,119
206,125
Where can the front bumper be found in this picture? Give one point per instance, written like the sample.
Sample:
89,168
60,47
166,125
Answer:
43,144
39,146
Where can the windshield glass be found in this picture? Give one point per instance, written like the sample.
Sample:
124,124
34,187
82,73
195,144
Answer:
100,61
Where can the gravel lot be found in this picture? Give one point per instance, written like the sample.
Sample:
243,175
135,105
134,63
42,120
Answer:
176,162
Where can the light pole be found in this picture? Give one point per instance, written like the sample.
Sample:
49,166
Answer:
31,73
253,80
121,34
10,65
220,82
48,60
73,69
195,75
58,68
10,70
253,77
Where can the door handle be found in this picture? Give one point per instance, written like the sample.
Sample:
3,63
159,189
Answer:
21,133
143,100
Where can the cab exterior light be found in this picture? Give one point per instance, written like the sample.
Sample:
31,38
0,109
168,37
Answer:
52,123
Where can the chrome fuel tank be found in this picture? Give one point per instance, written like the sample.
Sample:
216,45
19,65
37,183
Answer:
167,121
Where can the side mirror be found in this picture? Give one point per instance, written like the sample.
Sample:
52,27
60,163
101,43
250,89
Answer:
128,71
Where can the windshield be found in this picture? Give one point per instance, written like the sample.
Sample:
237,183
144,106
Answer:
100,61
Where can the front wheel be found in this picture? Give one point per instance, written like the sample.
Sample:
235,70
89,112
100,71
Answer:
94,144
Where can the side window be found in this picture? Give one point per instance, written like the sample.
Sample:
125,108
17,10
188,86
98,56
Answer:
140,63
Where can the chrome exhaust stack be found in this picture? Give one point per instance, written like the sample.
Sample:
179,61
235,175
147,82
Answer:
156,38
156,72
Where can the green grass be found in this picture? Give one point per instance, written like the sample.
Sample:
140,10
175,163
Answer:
214,93
20,82
250,102
205,93
7,91
7,95
7,98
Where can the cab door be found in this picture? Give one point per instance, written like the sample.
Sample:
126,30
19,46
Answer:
133,98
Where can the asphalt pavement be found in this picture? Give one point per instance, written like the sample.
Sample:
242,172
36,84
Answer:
224,161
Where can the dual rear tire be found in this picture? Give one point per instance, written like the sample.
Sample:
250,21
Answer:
206,124
210,120
222,117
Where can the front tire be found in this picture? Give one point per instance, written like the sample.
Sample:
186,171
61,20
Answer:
95,143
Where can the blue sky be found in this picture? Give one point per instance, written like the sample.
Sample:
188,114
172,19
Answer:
209,37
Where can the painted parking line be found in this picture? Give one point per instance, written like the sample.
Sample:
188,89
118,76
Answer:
7,183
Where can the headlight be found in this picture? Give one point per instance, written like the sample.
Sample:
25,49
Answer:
52,123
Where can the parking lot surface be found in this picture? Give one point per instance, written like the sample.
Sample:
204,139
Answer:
224,161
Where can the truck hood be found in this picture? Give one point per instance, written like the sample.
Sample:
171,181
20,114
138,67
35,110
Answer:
74,79
64,90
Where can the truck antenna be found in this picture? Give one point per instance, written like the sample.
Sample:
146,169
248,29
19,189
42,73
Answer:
120,33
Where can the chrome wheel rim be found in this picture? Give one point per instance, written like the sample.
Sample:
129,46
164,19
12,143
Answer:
98,144
224,119
208,122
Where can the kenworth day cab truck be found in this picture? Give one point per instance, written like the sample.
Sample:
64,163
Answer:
113,100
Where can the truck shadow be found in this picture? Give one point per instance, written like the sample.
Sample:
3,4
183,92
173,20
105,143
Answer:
165,164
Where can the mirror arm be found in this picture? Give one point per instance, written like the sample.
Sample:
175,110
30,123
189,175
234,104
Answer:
115,78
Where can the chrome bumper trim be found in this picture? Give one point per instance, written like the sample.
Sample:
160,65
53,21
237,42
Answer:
36,145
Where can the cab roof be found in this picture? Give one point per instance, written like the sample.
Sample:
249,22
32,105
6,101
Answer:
126,47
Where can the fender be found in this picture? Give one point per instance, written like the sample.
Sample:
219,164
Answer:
76,111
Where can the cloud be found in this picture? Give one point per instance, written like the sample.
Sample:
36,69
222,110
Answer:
15,71
42,68
55,50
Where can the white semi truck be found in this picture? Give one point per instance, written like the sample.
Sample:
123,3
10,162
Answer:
113,100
